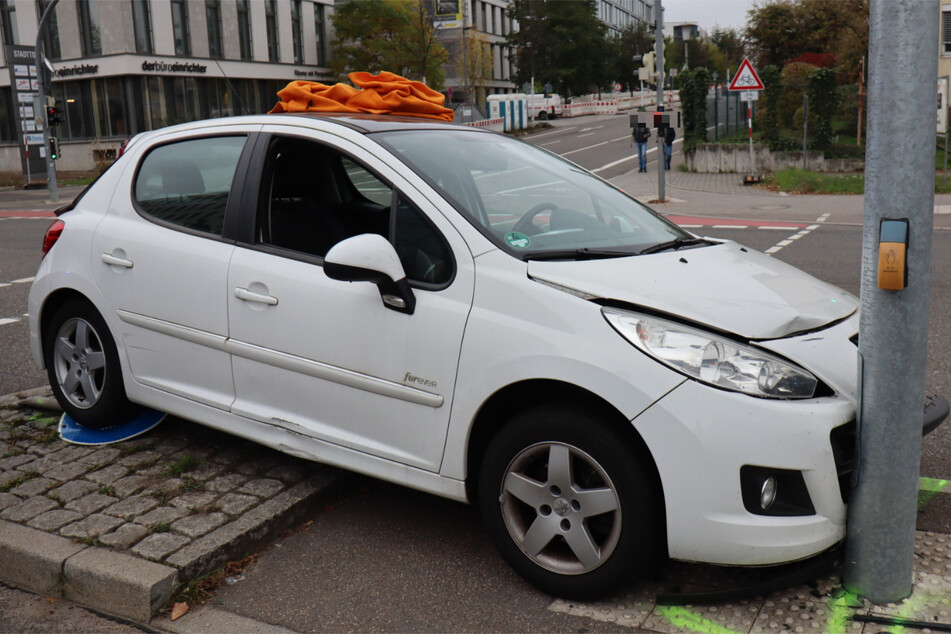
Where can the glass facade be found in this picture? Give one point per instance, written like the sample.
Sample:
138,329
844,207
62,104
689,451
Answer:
8,22
213,18
51,38
244,29
273,44
89,26
296,32
180,28
320,31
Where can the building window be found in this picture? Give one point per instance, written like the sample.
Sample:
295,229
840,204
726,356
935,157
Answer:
319,32
180,28
244,29
296,32
213,18
142,25
9,18
89,27
51,37
945,30
273,45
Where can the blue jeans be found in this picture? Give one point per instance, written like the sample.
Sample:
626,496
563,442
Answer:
642,155
668,149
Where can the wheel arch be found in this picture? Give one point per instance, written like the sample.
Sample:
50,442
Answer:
497,411
51,304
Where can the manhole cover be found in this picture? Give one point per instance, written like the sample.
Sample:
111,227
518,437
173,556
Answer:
770,207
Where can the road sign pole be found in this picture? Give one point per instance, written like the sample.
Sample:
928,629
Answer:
749,119
899,187
659,56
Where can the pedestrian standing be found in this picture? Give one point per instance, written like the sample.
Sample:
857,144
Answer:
641,134
669,135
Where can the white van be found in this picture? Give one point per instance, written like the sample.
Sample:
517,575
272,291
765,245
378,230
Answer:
542,107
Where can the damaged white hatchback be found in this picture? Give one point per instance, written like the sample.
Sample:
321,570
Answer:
462,313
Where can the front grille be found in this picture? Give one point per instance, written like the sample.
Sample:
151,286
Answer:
845,454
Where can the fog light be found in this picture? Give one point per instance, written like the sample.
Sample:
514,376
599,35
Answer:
767,494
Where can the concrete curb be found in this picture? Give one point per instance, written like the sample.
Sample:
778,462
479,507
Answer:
106,581
213,620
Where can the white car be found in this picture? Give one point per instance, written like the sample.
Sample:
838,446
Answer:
462,313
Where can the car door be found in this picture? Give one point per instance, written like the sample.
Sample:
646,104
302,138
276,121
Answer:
327,358
160,258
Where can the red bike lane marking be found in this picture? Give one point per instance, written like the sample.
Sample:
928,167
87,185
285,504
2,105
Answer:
705,221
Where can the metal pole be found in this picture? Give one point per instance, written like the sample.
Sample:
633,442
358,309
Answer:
899,183
41,74
749,121
716,112
805,127
659,59
945,159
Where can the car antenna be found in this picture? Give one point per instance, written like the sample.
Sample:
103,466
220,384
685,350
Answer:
237,97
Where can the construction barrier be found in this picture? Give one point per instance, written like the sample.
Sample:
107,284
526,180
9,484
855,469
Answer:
497,125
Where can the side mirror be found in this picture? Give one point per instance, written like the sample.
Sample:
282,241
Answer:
371,258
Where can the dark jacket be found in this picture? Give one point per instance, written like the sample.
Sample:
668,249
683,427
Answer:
670,135
641,133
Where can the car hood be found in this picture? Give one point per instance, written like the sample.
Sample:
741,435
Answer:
726,287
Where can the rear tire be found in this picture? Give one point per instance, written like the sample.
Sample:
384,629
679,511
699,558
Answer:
83,367
571,504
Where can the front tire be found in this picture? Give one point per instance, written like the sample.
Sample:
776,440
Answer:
571,504
83,367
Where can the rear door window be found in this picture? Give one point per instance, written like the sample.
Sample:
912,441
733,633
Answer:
188,183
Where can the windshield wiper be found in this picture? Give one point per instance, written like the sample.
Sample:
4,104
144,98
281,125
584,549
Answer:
675,244
583,253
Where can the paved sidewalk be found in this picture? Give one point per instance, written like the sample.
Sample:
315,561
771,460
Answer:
119,527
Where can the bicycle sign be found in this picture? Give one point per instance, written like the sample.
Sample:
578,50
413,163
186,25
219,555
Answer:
746,78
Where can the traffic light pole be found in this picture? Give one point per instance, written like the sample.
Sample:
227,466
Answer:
899,207
45,83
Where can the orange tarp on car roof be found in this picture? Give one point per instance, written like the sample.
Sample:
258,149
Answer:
385,93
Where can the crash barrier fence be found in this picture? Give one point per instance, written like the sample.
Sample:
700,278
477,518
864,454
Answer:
497,125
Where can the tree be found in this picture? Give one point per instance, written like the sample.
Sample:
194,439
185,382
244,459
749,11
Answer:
824,101
694,86
392,35
562,43
769,104
475,63
730,44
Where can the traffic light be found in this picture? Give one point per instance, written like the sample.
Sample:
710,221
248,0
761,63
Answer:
54,148
52,115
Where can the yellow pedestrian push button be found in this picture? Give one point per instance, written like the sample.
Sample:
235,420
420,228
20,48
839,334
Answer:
892,251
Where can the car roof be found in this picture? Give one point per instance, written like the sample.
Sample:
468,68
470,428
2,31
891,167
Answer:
359,122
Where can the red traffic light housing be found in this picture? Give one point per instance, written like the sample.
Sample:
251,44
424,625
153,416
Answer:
53,115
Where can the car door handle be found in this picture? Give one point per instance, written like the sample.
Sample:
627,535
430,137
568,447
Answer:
248,296
114,261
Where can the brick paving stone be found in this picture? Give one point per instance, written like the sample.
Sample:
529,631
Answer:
66,472
28,509
235,503
289,472
34,486
263,487
7,500
15,461
198,525
161,515
6,477
196,500
46,449
207,472
42,465
140,459
226,483
130,507
107,475
258,465
52,520
158,545
128,485
91,503
153,471
73,490
170,445
73,452
101,457
232,456
124,536
92,526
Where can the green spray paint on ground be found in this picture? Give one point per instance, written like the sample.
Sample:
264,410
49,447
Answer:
928,488
689,621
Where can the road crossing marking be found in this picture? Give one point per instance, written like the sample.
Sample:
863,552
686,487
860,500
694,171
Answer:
785,243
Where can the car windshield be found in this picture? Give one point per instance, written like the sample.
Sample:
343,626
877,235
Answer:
531,203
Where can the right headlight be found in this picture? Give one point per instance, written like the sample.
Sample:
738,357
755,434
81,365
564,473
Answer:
712,359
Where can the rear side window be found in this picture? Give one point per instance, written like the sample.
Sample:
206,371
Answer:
188,183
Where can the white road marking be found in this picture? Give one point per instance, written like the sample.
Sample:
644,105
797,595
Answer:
800,234
590,147
2,284
550,143
730,227
588,134
597,127
24,280
633,156
8,320
558,131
